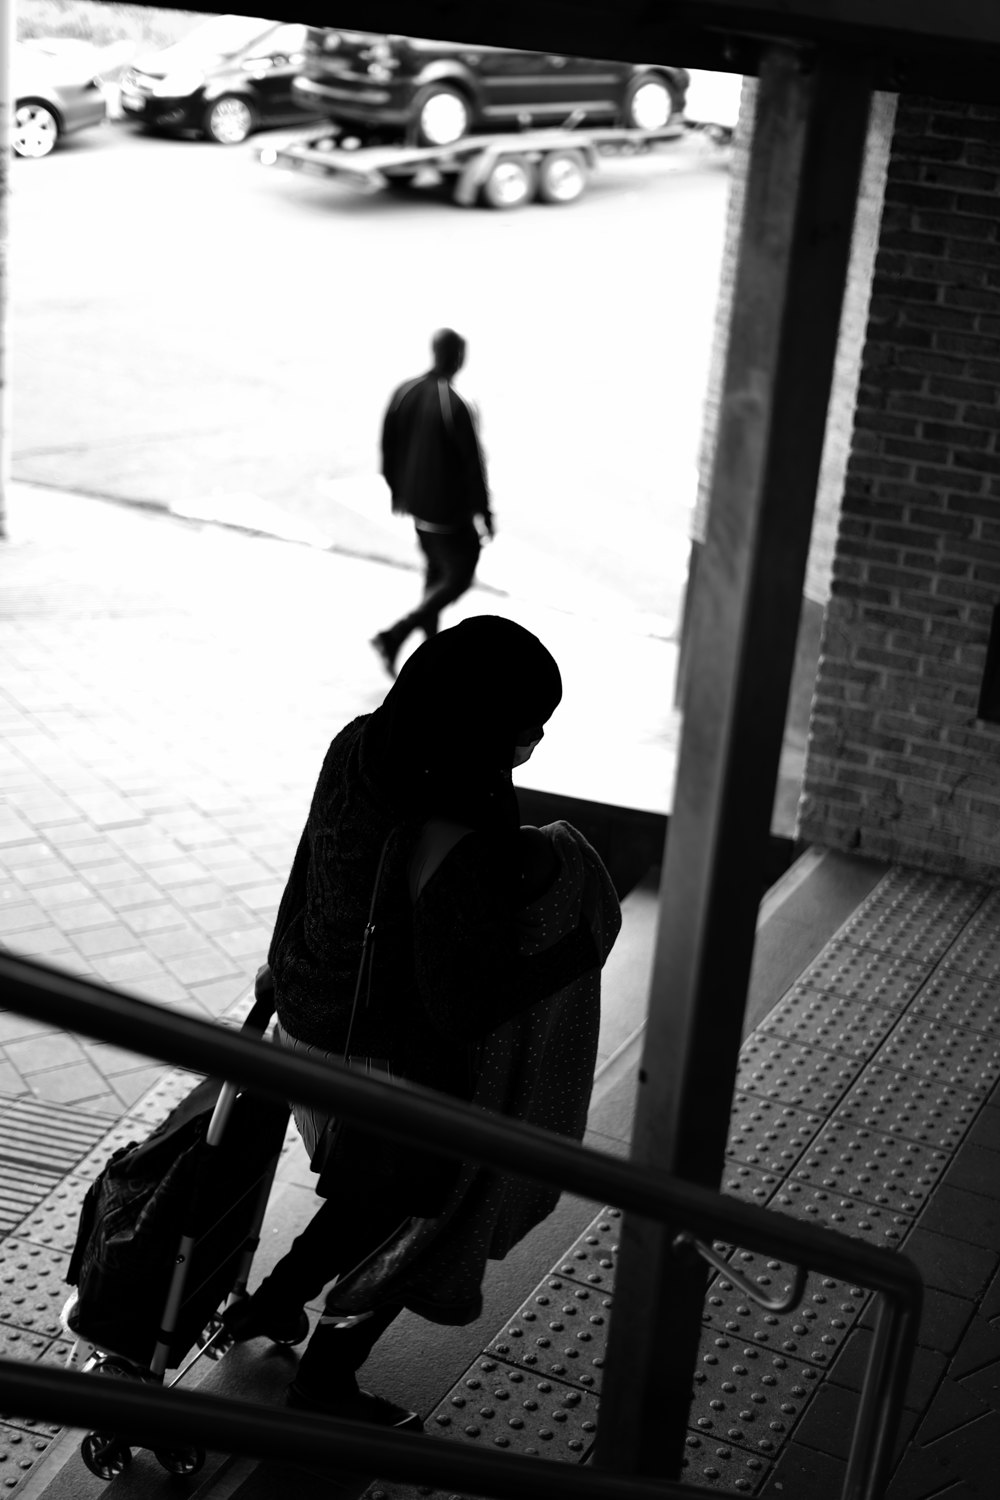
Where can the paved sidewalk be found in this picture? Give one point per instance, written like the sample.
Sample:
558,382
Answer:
167,691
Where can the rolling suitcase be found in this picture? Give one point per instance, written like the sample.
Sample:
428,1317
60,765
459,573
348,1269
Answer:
166,1238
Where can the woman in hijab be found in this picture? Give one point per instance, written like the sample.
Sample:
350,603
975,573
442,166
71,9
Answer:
467,706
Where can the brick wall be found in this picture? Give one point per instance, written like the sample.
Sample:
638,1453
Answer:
899,766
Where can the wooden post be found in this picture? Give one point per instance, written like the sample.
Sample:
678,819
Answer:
802,186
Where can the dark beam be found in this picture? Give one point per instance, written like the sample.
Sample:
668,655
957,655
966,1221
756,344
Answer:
801,193
947,48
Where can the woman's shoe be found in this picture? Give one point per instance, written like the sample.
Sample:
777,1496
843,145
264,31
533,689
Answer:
253,1319
360,1406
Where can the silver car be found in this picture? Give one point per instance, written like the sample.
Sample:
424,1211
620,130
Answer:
55,93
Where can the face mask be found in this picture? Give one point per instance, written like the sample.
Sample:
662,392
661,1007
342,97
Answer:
523,753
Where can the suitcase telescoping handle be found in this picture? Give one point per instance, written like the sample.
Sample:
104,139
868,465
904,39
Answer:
257,1021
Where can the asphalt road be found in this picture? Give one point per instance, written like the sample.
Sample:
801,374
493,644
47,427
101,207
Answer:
195,329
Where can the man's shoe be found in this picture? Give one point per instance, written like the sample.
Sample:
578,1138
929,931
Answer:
387,651
361,1406
252,1319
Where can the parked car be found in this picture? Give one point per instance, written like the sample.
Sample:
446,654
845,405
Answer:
55,93
434,93
225,79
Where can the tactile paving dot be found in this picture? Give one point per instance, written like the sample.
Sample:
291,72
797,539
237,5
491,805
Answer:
859,973
32,1289
820,1018
907,1104
769,1135
849,1215
967,1059
908,913
56,1219
977,949
747,1395
881,1169
592,1258
793,1074
562,1329
497,1405
962,999
812,1331
739,1181
20,1449
714,1465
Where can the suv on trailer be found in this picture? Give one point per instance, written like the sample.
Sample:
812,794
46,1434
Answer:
434,93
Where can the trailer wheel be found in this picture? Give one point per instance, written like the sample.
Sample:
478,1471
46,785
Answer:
562,176
511,183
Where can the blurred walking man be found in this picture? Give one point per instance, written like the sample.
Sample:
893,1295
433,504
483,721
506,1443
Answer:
434,466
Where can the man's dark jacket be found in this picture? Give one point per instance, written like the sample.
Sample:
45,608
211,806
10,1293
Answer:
431,457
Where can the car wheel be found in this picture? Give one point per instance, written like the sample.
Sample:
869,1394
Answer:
562,176
511,183
441,116
36,128
648,103
229,120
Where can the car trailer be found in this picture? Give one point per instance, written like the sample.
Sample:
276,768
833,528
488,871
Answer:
500,171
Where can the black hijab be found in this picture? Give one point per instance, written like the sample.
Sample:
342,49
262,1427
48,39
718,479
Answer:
442,742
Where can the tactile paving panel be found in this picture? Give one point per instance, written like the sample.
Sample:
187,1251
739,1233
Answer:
45,1136
849,1215
966,1059
819,1018
769,1135
803,1077
961,999
813,1331
561,1330
31,1424
32,1289
591,1259
858,973
20,1450
882,1169
747,1395
910,912
739,1181
56,1219
21,1188
496,1405
714,1465
907,1104
976,950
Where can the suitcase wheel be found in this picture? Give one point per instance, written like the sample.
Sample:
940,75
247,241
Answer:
180,1460
105,1454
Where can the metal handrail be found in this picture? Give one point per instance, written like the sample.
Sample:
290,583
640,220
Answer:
404,1112
785,1303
